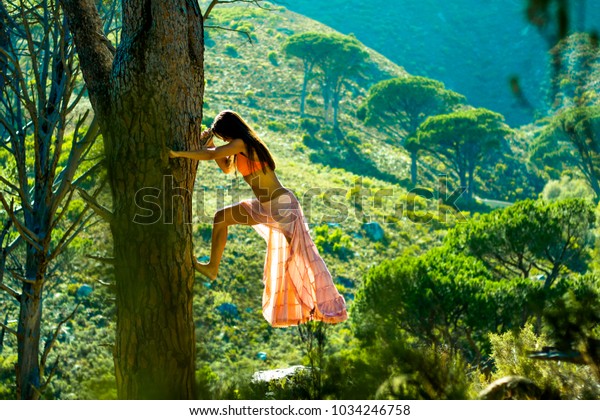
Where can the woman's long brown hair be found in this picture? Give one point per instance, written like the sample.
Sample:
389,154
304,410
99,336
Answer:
228,124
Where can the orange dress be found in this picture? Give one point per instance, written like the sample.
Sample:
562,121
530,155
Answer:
297,284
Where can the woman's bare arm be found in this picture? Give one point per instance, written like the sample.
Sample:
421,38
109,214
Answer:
226,163
232,148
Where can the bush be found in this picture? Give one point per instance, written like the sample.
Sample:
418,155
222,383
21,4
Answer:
276,126
273,58
333,241
310,126
566,187
510,352
231,50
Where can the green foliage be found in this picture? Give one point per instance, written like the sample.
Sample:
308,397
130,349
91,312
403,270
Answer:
529,238
333,59
8,388
462,140
570,141
510,352
231,50
310,126
277,126
426,373
441,298
273,59
565,188
402,104
314,338
333,241
573,318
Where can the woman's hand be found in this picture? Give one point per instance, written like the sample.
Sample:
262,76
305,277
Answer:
173,154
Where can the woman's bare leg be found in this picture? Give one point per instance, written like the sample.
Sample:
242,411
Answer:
232,215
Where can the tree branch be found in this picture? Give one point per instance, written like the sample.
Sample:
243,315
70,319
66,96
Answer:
100,210
104,260
7,328
77,150
50,344
213,3
27,234
12,292
19,191
231,30
95,56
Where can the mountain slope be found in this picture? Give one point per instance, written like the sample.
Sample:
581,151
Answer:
474,47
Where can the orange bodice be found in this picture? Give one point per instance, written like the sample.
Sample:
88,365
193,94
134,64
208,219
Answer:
246,167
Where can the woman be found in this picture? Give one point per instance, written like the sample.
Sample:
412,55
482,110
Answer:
298,286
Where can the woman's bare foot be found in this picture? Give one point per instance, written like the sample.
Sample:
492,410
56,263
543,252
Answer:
205,269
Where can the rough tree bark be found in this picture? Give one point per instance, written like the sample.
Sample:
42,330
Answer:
147,98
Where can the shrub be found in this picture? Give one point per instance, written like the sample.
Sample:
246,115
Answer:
310,126
276,126
231,50
273,58
510,352
333,241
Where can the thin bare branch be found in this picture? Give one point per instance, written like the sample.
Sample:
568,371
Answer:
77,150
50,344
43,386
72,233
214,3
20,278
7,328
104,260
100,210
27,234
83,176
12,292
17,190
246,33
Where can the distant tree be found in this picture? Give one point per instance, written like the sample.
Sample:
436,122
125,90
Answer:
42,167
462,140
338,58
529,237
305,46
401,104
571,140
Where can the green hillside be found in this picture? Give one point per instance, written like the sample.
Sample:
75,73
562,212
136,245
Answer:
444,296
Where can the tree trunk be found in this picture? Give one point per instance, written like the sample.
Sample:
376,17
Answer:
470,185
29,328
462,177
336,108
307,71
414,157
151,100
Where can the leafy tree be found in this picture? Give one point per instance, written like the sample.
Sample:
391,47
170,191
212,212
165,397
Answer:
529,237
338,58
43,166
401,104
462,140
443,299
308,48
571,141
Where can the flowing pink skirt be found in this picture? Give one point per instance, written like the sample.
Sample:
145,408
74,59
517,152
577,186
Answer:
298,285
